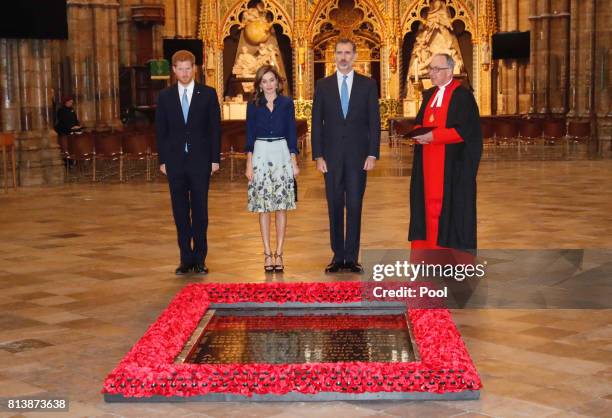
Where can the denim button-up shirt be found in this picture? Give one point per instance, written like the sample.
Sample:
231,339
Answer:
261,123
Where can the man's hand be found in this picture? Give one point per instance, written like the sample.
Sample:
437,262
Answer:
214,168
162,168
370,163
425,138
321,165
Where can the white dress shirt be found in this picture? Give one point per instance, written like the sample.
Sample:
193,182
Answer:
189,87
349,81
437,101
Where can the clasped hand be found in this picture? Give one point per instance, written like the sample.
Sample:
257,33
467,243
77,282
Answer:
369,164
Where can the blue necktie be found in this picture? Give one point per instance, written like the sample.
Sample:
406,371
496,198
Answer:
344,96
185,107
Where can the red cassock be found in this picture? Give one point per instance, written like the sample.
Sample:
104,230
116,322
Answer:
433,164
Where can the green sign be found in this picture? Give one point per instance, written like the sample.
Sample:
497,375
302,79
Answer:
160,69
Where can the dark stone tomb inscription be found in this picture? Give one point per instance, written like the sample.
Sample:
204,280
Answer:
304,339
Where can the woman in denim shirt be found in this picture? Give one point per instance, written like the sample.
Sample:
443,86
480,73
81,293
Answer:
271,160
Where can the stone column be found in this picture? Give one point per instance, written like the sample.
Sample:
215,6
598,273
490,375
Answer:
558,48
9,85
127,54
186,18
513,71
94,54
25,87
533,57
564,82
208,33
544,85
603,72
483,61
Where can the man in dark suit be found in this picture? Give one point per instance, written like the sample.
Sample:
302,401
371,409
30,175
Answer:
189,140
345,146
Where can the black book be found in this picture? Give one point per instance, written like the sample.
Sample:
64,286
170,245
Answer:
419,131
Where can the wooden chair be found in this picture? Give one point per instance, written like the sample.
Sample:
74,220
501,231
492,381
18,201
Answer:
82,148
398,127
553,130
62,141
136,148
529,131
302,134
578,131
237,140
152,156
488,131
506,130
108,148
233,141
7,142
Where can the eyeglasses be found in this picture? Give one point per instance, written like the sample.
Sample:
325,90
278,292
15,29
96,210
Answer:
437,69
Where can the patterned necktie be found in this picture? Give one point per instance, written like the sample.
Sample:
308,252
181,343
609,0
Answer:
344,96
185,107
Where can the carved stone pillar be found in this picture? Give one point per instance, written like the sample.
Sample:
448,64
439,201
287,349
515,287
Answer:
185,13
94,54
384,70
512,79
484,65
9,85
603,72
25,86
544,76
533,57
564,82
394,69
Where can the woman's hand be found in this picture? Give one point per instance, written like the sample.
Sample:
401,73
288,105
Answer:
296,168
249,171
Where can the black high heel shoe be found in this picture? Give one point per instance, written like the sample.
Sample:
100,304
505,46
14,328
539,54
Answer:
278,267
268,268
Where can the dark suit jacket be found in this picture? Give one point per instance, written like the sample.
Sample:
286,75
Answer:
355,137
202,131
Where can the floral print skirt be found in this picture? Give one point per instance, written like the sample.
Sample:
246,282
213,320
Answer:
272,187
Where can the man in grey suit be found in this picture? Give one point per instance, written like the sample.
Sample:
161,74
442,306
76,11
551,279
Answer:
345,146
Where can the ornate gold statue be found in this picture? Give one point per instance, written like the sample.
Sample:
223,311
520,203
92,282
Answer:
256,26
257,46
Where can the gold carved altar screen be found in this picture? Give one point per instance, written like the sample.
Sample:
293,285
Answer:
392,37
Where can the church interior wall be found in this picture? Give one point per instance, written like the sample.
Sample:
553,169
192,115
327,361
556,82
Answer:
568,72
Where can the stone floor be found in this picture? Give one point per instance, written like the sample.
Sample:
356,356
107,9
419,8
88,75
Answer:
86,268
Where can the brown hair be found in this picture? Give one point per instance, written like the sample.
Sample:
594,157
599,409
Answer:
182,55
346,41
263,70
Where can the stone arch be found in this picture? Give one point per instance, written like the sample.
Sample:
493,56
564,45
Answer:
462,13
279,16
370,10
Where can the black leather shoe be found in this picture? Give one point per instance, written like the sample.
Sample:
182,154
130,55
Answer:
353,267
334,267
200,269
182,269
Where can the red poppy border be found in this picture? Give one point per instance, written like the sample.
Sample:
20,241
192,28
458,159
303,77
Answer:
148,369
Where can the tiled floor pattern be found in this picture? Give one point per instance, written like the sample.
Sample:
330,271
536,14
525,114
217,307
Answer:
86,268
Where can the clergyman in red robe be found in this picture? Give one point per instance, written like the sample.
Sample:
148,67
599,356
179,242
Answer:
446,159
